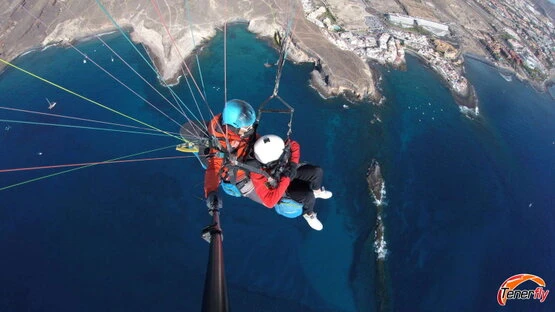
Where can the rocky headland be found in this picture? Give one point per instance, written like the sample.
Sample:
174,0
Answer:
343,38
27,25
376,188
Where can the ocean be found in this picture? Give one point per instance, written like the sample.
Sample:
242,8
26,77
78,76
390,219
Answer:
469,200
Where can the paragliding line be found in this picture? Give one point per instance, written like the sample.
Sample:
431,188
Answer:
86,98
75,118
78,127
146,61
116,79
157,9
83,167
92,163
189,20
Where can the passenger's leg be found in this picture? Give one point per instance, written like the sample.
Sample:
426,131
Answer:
311,174
300,191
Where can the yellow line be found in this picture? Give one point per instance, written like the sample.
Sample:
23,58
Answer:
78,168
87,99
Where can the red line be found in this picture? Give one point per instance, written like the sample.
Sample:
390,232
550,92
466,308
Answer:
177,49
90,163
71,117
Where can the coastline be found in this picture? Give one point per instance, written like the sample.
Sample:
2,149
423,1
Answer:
468,101
58,43
318,79
339,75
540,87
261,30
548,85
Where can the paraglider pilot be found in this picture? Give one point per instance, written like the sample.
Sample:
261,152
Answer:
234,126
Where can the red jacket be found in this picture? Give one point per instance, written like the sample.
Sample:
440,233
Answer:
239,148
271,196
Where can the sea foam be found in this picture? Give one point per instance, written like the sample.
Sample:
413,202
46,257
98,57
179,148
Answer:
380,245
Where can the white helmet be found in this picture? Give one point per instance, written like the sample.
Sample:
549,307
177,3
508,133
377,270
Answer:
268,148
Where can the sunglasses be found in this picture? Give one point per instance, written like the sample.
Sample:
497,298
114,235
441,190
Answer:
243,130
246,129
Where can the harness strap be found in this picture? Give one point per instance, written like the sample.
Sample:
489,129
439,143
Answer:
250,168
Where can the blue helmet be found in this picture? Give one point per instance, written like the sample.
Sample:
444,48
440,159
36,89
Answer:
238,114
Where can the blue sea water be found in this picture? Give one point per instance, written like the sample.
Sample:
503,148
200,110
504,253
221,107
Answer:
469,201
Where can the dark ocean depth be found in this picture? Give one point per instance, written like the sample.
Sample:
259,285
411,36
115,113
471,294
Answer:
469,200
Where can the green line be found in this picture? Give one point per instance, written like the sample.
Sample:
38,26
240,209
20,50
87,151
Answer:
80,127
82,167
87,99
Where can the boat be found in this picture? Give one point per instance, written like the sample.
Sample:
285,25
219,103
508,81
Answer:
50,104
508,77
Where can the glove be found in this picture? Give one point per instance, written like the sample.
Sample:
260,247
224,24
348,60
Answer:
213,202
290,170
252,163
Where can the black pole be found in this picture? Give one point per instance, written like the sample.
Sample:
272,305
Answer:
215,288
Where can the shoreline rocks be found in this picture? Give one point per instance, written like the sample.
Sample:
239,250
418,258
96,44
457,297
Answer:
345,76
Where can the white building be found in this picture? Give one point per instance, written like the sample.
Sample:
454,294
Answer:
401,20
384,38
406,21
433,27
313,16
308,6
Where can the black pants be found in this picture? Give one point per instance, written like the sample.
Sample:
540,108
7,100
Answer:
308,179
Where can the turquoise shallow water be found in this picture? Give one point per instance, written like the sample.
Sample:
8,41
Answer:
126,236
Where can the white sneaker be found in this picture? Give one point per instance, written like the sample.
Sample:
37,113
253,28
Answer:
313,221
322,193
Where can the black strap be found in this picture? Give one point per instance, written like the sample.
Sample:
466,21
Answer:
234,166
239,164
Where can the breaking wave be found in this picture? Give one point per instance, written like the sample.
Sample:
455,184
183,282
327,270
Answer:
470,112
380,200
380,245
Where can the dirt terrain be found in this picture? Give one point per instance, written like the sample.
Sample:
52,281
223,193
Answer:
29,24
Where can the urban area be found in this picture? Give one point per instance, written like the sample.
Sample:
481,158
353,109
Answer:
522,41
